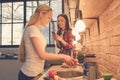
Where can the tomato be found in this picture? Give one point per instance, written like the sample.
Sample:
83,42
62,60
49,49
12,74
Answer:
52,73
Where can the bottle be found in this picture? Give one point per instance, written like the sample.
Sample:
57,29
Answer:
92,73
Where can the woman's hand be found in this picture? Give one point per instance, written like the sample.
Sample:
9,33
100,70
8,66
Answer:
68,60
57,37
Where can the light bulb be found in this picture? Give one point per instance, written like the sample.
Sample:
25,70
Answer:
80,25
74,31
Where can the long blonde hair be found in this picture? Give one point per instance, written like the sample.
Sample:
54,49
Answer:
33,19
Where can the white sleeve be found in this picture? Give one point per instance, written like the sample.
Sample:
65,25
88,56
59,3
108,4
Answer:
34,32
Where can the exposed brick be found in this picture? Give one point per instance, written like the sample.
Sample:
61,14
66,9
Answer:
106,45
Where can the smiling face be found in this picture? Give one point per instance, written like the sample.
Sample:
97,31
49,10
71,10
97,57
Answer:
61,22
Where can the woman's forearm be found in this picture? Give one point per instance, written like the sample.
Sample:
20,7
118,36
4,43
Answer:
51,56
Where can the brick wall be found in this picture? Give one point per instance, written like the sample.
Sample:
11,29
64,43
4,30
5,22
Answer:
106,44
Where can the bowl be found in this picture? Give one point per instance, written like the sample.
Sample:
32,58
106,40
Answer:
107,76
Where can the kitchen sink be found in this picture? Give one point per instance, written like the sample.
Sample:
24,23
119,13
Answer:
69,74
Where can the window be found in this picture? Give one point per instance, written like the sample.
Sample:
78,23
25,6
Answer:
14,15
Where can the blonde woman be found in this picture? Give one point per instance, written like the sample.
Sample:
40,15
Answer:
35,45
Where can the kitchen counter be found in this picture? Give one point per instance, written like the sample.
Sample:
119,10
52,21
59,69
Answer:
60,68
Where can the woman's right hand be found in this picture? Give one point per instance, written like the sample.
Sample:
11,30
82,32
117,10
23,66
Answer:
56,37
69,60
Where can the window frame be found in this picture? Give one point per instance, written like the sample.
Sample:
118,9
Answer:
24,20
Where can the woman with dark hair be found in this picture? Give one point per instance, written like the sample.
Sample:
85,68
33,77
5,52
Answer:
64,37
